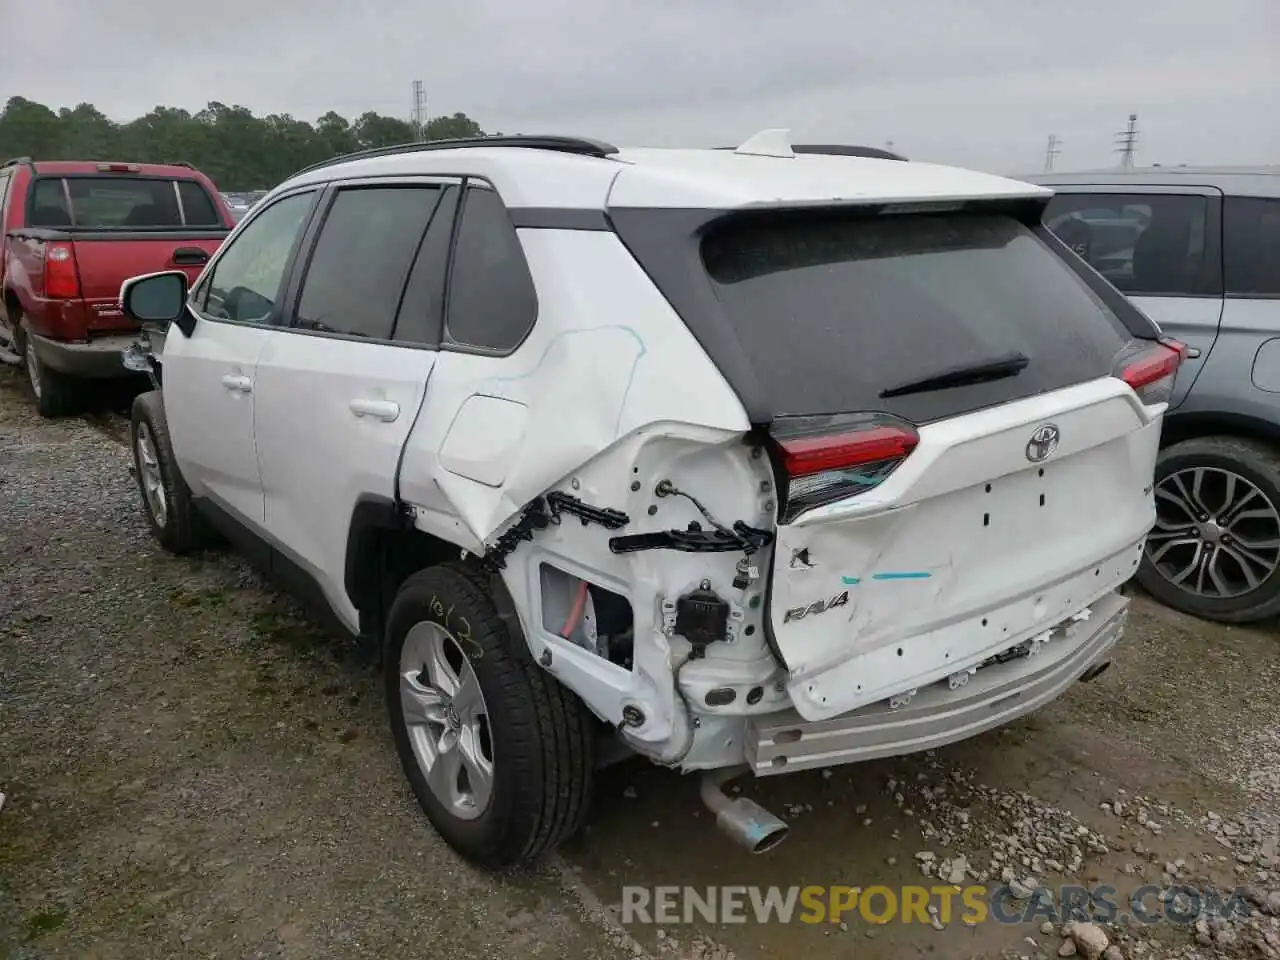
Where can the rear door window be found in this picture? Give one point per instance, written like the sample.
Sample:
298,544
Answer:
1251,246
1153,245
357,273
834,309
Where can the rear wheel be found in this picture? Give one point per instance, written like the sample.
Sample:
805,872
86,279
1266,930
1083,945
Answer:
499,755
56,394
1215,549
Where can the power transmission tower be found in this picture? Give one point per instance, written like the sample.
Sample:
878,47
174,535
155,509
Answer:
1127,141
419,111
1051,151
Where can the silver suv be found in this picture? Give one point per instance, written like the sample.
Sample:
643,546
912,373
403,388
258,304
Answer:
1198,250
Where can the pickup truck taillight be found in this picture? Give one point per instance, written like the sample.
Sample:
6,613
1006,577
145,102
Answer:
61,278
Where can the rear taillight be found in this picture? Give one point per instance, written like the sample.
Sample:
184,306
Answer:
61,279
829,458
1150,368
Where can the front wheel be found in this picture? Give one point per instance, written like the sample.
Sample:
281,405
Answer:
166,500
1215,548
498,753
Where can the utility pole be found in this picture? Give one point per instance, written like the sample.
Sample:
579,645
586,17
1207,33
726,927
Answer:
1127,141
1051,152
419,111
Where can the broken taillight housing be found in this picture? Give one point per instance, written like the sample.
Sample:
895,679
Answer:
823,459
1150,367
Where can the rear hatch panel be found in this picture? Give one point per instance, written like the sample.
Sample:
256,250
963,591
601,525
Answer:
966,549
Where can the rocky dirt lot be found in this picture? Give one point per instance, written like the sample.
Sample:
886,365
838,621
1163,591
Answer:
192,769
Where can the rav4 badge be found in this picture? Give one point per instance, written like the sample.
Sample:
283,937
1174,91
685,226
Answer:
818,606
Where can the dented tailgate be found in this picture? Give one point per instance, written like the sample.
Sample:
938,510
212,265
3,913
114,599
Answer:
969,547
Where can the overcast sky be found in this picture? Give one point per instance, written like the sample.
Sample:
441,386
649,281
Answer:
974,82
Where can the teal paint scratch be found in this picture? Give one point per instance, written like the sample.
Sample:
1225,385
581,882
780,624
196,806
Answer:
905,575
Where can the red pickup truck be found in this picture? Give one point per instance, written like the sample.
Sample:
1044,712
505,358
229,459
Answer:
74,231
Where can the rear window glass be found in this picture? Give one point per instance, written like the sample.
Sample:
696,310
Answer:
130,203
832,310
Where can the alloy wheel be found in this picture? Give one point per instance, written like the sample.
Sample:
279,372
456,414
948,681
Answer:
149,473
447,720
1217,535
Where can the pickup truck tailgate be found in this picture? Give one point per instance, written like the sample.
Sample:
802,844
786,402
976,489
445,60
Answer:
105,260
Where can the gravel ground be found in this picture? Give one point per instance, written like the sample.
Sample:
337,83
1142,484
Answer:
192,769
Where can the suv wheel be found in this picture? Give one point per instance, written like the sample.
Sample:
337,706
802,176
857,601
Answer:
497,752
55,393
1215,549
166,501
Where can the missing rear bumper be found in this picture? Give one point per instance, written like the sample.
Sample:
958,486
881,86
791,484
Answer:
941,713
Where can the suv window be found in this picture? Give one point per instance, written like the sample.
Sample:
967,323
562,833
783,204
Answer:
421,317
834,308
360,262
1144,244
492,302
4,190
245,282
1251,246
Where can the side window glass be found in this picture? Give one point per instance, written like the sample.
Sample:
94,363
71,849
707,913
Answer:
421,316
4,191
1150,245
492,302
197,208
1251,246
360,262
246,280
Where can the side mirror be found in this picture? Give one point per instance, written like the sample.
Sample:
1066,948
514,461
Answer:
158,298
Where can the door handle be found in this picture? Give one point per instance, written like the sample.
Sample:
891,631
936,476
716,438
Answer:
385,410
189,256
237,384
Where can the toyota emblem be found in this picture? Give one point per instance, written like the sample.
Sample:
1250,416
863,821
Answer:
1043,442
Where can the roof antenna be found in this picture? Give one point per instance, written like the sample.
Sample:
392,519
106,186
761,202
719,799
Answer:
768,143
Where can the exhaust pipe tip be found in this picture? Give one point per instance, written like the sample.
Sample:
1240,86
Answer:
743,821
1095,671
751,826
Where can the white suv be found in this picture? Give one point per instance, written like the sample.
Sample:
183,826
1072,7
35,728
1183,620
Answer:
744,460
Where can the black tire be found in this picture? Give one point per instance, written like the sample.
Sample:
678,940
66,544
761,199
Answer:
1259,464
181,529
541,733
55,393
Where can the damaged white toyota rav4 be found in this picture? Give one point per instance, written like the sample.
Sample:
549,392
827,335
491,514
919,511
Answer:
745,460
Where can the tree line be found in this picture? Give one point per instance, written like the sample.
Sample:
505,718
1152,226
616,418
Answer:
238,150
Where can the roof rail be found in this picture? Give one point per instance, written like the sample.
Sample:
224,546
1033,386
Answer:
848,150
15,161
833,150
179,163
578,145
